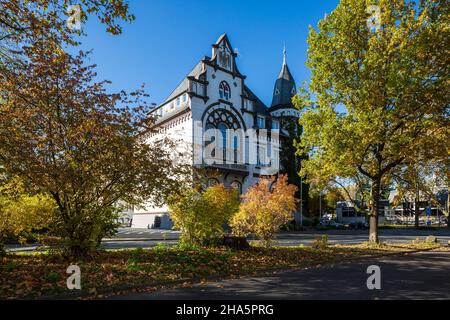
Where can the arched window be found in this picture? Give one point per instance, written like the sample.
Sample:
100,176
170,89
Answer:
224,91
228,140
237,185
212,182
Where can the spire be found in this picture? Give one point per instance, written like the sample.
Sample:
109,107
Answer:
285,87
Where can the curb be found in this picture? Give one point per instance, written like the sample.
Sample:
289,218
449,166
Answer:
138,239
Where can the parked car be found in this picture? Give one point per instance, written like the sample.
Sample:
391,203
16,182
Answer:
358,226
332,224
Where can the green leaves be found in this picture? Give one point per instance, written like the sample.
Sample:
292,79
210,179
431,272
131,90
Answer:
380,96
392,107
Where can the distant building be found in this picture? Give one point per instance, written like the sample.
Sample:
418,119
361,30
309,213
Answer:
346,212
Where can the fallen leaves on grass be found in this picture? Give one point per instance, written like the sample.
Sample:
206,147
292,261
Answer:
32,276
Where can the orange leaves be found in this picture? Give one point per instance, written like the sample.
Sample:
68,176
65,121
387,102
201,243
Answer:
266,207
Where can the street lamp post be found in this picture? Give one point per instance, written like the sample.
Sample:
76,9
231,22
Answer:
301,201
320,206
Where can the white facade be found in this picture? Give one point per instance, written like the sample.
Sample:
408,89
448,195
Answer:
214,96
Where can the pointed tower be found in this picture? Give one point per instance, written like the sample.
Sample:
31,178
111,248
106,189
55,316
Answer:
285,87
283,111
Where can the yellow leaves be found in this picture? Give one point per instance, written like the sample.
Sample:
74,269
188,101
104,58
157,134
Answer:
200,215
20,211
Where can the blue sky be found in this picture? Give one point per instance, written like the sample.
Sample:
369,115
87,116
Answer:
169,37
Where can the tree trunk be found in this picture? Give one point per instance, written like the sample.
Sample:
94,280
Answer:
448,209
375,198
2,250
416,217
416,208
2,246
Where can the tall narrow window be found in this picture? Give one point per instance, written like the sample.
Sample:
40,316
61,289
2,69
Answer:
224,91
223,128
235,149
275,125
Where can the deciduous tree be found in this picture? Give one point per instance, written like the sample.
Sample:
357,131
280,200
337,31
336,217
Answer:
380,91
64,134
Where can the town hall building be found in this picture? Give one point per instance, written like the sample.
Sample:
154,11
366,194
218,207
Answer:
223,126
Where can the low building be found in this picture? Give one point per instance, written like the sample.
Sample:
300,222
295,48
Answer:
346,212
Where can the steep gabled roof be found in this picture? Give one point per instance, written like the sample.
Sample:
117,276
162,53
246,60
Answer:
260,107
184,85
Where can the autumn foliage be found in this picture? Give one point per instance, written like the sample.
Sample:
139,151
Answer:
201,215
87,149
266,207
378,97
21,210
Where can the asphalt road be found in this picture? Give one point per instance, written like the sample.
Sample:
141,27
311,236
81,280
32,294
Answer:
128,238
422,275
133,238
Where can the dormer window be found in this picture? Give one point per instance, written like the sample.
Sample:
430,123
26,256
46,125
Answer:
261,122
275,125
224,91
248,105
293,91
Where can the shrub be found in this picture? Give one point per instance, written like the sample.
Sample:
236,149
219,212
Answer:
200,215
265,209
83,233
22,212
52,277
320,242
431,239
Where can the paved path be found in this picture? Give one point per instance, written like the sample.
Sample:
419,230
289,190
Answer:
423,275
